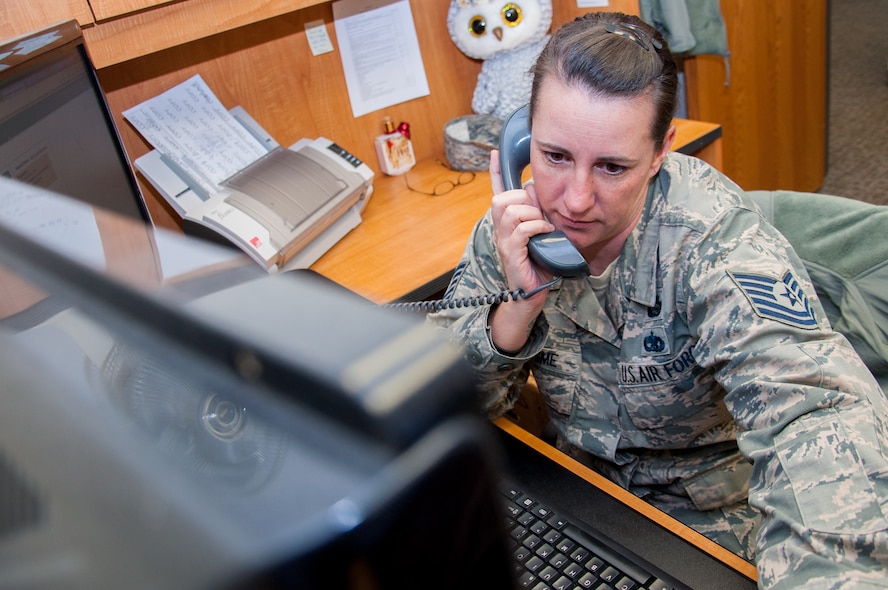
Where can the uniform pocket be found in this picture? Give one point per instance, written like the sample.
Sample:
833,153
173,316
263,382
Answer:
829,480
556,372
723,485
670,393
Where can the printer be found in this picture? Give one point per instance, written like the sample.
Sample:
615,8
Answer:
285,210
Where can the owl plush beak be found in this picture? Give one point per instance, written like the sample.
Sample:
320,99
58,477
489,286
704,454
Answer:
498,33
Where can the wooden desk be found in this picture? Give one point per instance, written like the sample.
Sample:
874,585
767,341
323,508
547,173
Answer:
408,243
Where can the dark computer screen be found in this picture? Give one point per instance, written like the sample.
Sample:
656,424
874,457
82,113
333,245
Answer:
232,430
56,131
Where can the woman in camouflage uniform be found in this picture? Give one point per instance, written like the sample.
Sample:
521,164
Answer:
694,366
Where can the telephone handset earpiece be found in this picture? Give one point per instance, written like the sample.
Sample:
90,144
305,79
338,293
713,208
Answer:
552,252
514,147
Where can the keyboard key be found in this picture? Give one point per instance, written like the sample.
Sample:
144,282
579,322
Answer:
540,527
545,550
548,573
573,570
596,564
518,533
531,541
609,574
541,512
534,563
559,560
580,554
557,521
527,580
552,536
525,501
521,553
510,491
565,545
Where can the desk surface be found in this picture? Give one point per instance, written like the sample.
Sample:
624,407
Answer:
408,243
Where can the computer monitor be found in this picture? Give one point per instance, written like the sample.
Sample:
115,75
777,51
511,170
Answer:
229,430
56,130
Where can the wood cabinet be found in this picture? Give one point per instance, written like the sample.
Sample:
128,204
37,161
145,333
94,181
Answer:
18,17
255,54
173,25
107,9
773,108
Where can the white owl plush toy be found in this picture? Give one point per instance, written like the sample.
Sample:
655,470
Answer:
508,37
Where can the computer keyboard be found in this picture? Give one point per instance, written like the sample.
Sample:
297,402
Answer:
550,552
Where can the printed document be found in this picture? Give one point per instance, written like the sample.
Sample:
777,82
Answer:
380,53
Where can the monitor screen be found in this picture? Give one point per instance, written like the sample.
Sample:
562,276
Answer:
227,429
56,131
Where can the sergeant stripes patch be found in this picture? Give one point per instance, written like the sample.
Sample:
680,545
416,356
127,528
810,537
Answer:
777,299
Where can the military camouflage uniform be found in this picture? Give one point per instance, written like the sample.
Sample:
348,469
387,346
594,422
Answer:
710,375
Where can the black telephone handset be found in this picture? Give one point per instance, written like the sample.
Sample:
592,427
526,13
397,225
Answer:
552,252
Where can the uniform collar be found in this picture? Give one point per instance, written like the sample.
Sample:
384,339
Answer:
577,300
636,271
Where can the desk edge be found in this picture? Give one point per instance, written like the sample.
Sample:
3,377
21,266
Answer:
703,543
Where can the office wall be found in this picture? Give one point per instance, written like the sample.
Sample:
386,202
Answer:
772,111
771,101
267,68
256,55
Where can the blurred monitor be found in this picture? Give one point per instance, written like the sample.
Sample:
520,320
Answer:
56,130
231,430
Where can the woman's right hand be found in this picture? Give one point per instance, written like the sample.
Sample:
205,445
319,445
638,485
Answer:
516,217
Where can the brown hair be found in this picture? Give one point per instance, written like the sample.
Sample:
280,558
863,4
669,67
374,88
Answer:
612,54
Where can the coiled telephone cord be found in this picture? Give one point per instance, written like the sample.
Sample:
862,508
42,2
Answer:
476,301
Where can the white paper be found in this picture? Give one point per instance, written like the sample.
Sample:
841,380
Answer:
180,255
64,225
591,3
189,125
318,39
380,53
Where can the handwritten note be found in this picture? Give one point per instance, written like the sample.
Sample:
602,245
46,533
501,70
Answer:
318,40
190,127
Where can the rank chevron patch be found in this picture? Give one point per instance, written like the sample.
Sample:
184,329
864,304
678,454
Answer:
778,299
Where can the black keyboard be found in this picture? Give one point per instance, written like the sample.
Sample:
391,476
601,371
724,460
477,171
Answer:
550,552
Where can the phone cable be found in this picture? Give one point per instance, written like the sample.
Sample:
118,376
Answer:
488,299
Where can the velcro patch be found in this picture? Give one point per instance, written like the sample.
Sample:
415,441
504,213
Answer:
777,299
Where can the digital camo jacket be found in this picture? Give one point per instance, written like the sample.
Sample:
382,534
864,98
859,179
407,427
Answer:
710,374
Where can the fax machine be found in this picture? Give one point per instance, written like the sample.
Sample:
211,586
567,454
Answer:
285,210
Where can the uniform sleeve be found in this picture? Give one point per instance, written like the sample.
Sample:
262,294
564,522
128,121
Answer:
812,419
500,377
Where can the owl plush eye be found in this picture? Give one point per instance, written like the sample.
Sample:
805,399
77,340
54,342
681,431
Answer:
477,25
512,14
483,29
